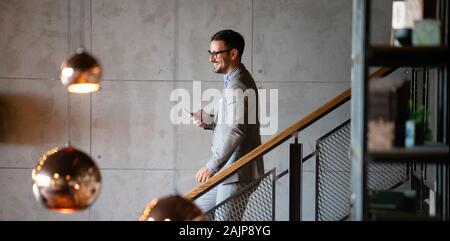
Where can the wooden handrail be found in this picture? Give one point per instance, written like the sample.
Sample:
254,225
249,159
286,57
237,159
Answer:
281,137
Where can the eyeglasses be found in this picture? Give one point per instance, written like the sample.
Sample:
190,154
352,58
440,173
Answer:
214,54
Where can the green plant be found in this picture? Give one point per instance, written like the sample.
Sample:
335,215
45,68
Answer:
419,116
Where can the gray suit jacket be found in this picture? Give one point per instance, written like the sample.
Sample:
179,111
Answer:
236,127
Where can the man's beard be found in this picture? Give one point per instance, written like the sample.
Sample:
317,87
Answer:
219,70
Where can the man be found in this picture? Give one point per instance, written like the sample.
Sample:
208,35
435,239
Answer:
235,125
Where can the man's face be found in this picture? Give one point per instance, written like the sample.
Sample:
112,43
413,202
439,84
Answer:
220,61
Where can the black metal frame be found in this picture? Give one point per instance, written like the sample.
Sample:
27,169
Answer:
295,181
309,156
442,170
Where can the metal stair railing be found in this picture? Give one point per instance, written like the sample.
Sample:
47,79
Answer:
333,175
254,202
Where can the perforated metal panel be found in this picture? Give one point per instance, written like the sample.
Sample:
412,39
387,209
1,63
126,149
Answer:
333,177
255,202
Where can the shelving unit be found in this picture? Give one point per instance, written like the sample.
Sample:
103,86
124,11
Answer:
407,56
364,56
415,154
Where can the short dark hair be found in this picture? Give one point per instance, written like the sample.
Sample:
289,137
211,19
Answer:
232,39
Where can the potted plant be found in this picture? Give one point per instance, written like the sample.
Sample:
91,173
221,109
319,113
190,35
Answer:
416,133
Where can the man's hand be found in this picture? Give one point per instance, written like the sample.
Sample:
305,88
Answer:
203,174
199,118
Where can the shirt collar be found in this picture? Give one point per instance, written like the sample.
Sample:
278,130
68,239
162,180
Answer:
227,77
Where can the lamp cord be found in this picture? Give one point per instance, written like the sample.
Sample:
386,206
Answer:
81,24
68,118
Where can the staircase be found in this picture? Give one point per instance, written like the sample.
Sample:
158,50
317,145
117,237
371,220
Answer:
332,173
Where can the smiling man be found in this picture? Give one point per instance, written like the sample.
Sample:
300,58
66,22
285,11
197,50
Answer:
235,125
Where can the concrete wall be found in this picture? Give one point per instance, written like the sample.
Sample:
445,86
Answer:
147,49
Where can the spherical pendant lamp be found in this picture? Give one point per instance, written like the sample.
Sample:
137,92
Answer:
81,73
172,208
66,180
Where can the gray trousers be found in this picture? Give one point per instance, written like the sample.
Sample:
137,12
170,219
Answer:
229,211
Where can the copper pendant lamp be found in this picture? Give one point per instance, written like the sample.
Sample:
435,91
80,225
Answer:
81,73
66,180
172,208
